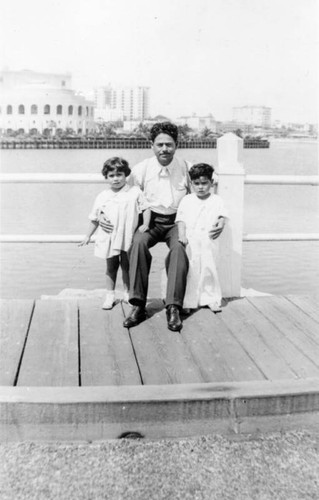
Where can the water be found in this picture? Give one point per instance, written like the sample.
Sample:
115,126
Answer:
29,270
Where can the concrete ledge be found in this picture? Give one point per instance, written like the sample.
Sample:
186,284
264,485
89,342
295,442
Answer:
153,412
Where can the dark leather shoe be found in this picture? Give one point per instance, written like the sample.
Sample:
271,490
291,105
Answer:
173,319
136,316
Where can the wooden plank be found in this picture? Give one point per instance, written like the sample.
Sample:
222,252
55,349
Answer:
279,312
107,356
14,326
308,303
177,410
200,340
247,324
301,319
162,355
51,353
217,353
274,337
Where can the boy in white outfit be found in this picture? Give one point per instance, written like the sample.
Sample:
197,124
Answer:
200,219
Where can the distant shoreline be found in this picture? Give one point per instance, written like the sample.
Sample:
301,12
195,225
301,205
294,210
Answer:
294,139
135,143
116,143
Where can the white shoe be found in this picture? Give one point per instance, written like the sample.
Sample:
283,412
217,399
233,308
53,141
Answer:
126,297
214,307
109,300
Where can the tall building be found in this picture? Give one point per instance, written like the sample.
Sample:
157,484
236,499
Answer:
42,102
126,103
259,116
103,109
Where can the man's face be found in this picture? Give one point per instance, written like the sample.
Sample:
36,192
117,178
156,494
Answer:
164,149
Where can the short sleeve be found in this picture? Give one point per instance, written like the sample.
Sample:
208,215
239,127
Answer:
136,176
180,215
142,203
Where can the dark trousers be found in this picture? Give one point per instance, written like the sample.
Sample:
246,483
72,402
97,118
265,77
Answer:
162,229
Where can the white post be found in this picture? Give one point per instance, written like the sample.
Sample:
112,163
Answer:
231,189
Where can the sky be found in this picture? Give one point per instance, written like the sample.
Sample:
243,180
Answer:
197,56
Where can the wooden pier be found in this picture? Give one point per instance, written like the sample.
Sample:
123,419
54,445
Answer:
69,370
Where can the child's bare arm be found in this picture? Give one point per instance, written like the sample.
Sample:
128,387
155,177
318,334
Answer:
91,230
182,232
146,221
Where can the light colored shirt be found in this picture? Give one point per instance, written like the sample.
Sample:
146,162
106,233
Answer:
163,187
200,215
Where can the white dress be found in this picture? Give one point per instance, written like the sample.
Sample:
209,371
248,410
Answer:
199,216
122,208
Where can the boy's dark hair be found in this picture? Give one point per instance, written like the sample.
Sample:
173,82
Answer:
201,170
116,163
164,128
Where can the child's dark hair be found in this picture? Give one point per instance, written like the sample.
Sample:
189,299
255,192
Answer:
201,170
115,163
164,128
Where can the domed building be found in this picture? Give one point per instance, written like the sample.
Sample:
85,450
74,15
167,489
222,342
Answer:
32,102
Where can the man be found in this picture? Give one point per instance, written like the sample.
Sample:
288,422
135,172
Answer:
164,180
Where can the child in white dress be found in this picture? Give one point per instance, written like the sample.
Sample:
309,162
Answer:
200,220
119,205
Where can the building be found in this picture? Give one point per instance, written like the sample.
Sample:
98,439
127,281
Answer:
233,126
122,103
198,122
32,102
259,116
103,110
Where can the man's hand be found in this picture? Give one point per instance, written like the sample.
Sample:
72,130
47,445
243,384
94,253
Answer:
143,228
183,240
217,229
105,224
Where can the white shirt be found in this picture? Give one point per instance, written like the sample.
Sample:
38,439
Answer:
200,215
163,187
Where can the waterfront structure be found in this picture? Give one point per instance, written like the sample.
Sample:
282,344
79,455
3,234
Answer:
95,382
259,116
33,102
123,102
198,122
232,126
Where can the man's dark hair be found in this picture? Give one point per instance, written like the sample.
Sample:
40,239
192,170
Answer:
164,128
116,163
201,170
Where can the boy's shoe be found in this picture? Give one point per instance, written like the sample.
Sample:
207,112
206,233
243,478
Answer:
214,307
126,297
109,300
